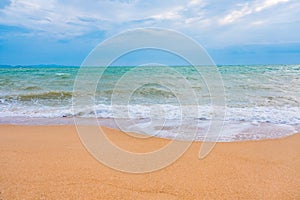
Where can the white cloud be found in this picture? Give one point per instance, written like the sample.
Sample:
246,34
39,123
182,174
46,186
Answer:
169,15
73,17
268,3
247,9
210,22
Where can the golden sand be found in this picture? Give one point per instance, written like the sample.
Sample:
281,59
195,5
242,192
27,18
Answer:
49,162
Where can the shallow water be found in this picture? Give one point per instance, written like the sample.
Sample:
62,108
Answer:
262,101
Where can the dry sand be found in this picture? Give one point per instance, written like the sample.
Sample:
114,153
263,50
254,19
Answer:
49,162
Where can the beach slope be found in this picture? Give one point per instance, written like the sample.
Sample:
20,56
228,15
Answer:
49,162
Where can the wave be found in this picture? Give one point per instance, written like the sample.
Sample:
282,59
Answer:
62,74
239,124
32,88
262,114
50,95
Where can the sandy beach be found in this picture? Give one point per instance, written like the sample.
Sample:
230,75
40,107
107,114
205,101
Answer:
49,162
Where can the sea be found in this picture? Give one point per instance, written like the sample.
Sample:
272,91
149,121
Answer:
260,101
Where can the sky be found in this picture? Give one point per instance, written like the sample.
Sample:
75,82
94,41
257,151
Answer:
63,32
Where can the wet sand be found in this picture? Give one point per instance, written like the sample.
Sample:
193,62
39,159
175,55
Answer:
49,162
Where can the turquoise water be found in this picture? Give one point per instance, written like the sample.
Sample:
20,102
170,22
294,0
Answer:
257,96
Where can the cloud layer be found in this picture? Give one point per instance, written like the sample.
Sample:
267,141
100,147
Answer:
74,18
213,23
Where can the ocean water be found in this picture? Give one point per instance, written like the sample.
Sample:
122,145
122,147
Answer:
262,101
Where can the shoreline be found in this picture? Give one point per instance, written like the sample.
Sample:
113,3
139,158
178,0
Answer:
145,135
50,162
231,131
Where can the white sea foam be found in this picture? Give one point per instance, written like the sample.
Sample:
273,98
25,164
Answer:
239,123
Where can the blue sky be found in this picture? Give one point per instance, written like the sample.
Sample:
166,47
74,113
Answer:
233,32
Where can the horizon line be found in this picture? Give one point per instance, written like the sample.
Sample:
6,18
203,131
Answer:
63,65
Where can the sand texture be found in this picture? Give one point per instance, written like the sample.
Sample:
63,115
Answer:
49,162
